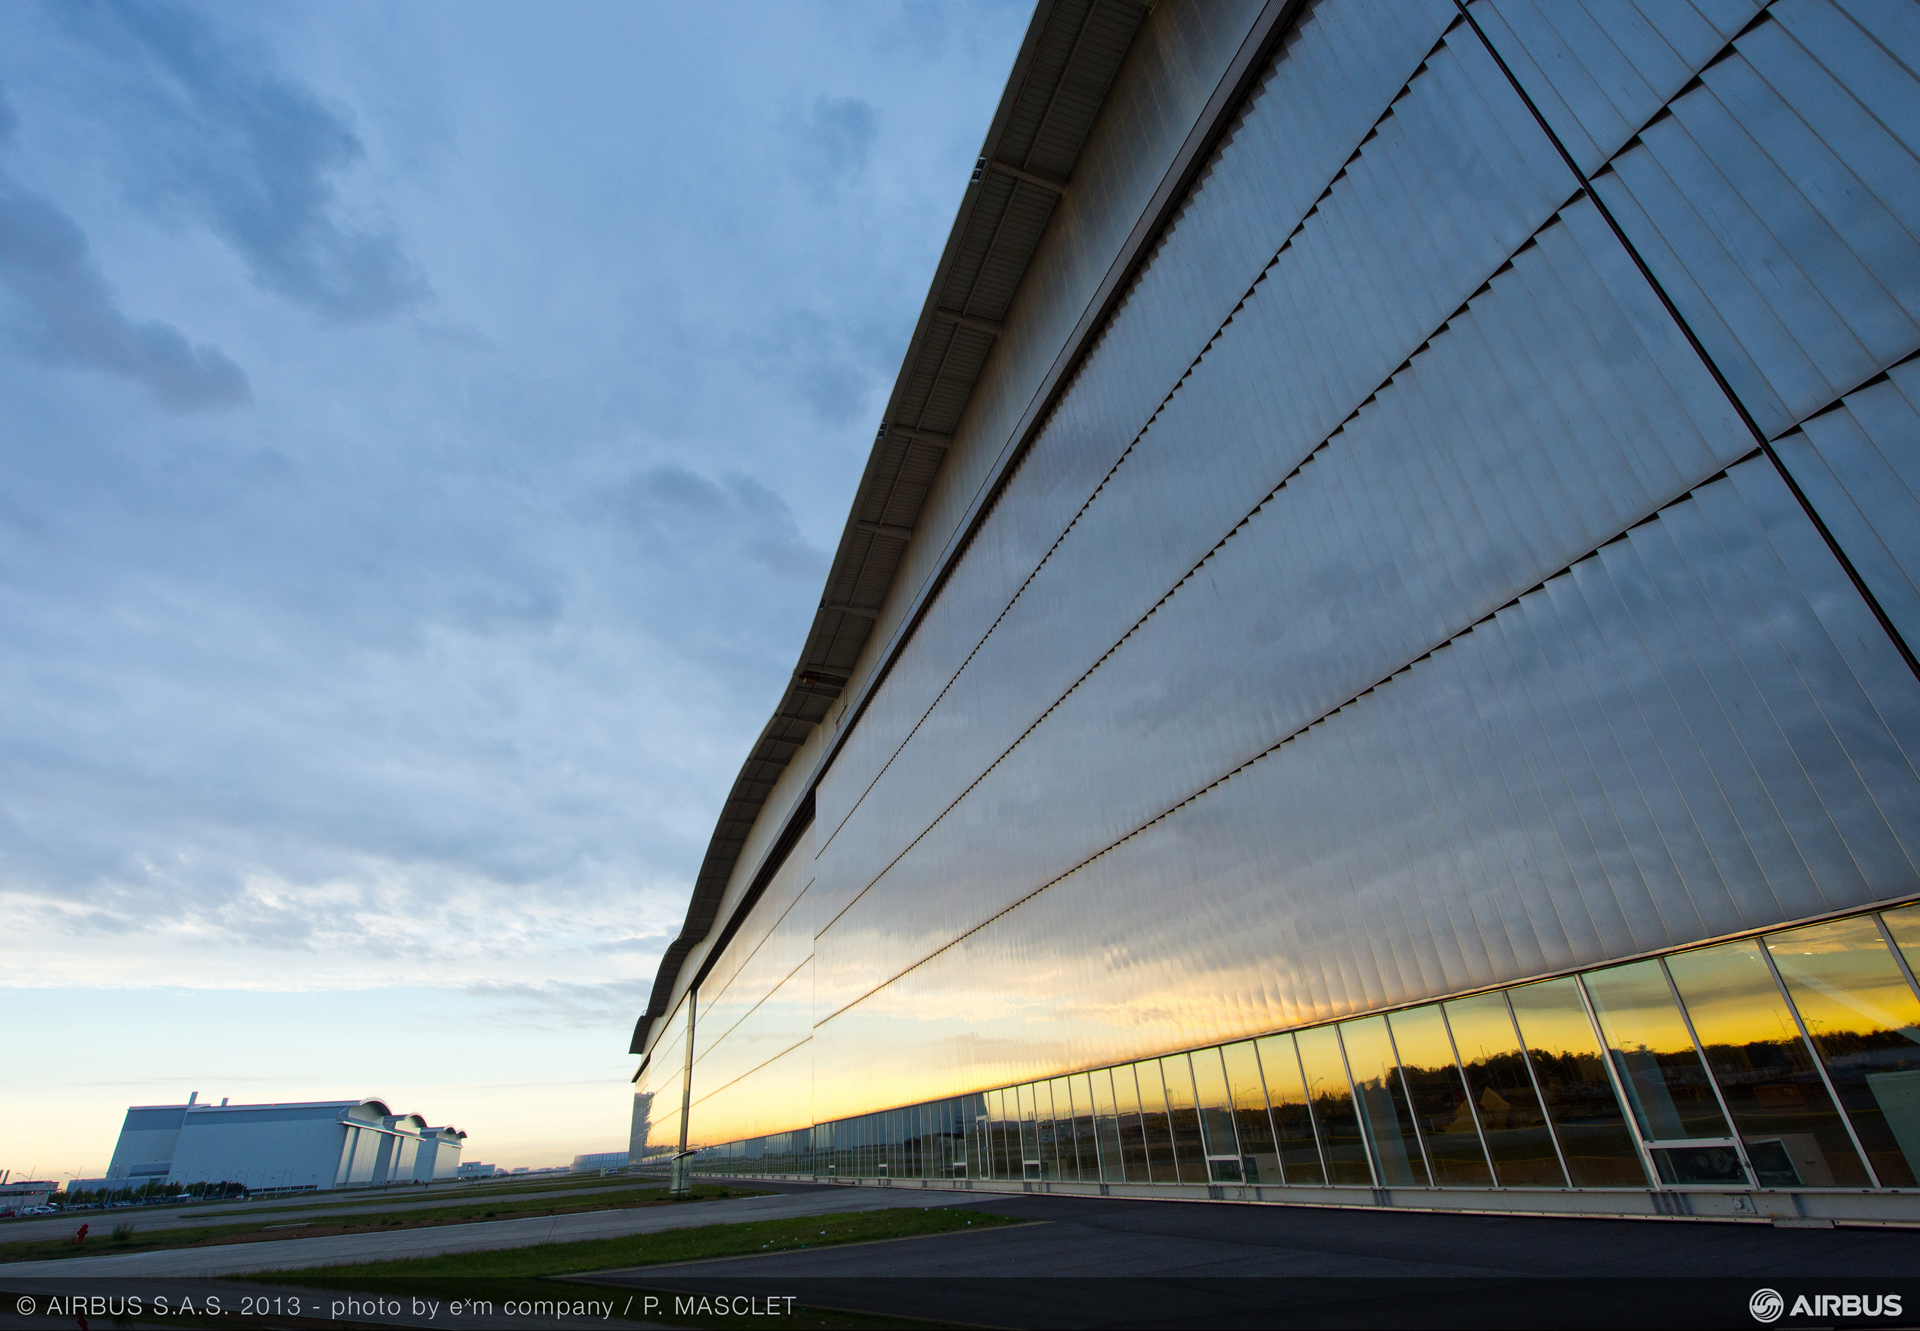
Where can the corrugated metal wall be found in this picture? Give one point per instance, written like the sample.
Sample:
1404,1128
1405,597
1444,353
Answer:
1400,600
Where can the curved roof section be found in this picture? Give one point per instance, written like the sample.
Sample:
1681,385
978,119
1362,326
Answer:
1072,50
1057,90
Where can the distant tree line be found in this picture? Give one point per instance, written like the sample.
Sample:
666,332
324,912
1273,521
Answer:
150,1192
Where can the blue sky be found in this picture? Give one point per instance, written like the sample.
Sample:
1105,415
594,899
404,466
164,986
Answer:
424,429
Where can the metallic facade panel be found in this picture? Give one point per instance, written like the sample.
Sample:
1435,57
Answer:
762,950
1341,63
1859,463
1599,70
1779,207
1278,596
1156,513
1678,798
1393,664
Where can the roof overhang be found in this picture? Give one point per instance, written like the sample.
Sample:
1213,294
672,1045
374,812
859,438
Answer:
1056,91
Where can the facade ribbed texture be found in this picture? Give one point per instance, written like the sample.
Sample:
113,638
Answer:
1476,558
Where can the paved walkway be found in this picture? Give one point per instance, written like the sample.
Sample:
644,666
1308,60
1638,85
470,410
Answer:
1126,1263
482,1236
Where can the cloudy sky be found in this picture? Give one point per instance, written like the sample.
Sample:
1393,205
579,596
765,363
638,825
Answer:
423,431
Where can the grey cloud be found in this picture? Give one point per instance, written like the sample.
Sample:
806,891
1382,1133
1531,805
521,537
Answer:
646,944
424,658
256,157
98,923
832,141
583,1006
917,31
771,536
671,502
56,308
815,359
669,492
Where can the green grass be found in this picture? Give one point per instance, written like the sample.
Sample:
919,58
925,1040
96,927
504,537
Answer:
747,1238
267,1228
524,1273
438,1192
303,1203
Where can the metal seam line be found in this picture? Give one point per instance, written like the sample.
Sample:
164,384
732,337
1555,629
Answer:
1766,445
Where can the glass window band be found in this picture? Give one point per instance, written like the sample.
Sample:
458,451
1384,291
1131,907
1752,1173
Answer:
1787,1059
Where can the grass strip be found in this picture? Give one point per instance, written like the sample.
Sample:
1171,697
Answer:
517,1275
396,1193
269,1229
742,1239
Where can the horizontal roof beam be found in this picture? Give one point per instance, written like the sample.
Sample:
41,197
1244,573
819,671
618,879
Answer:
933,437
1045,180
884,529
992,327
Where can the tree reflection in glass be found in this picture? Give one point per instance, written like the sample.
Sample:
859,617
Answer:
1648,1041
1516,1130
1438,1095
1292,1114
1572,1076
1865,1021
1333,1110
1793,1134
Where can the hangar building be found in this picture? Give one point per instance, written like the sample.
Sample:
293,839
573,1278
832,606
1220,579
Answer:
314,1145
1372,659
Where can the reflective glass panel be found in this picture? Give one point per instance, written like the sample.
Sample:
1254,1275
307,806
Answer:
1003,1135
1438,1097
1571,1073
1189,1153
1259,1160
1056,1132
1903,926
1516,1130
1029,1134
1384,1113
1085,1147
1793,1133
1107,1127
1865,1022
1292,1116
1649,1045
1216,1115
1135,1154
1153,1119
1333,1110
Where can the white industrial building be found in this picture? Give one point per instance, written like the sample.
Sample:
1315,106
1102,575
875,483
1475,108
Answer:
312,1145
598,1162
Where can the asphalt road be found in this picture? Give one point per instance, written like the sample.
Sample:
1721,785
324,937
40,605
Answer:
480,1236
1115,1262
